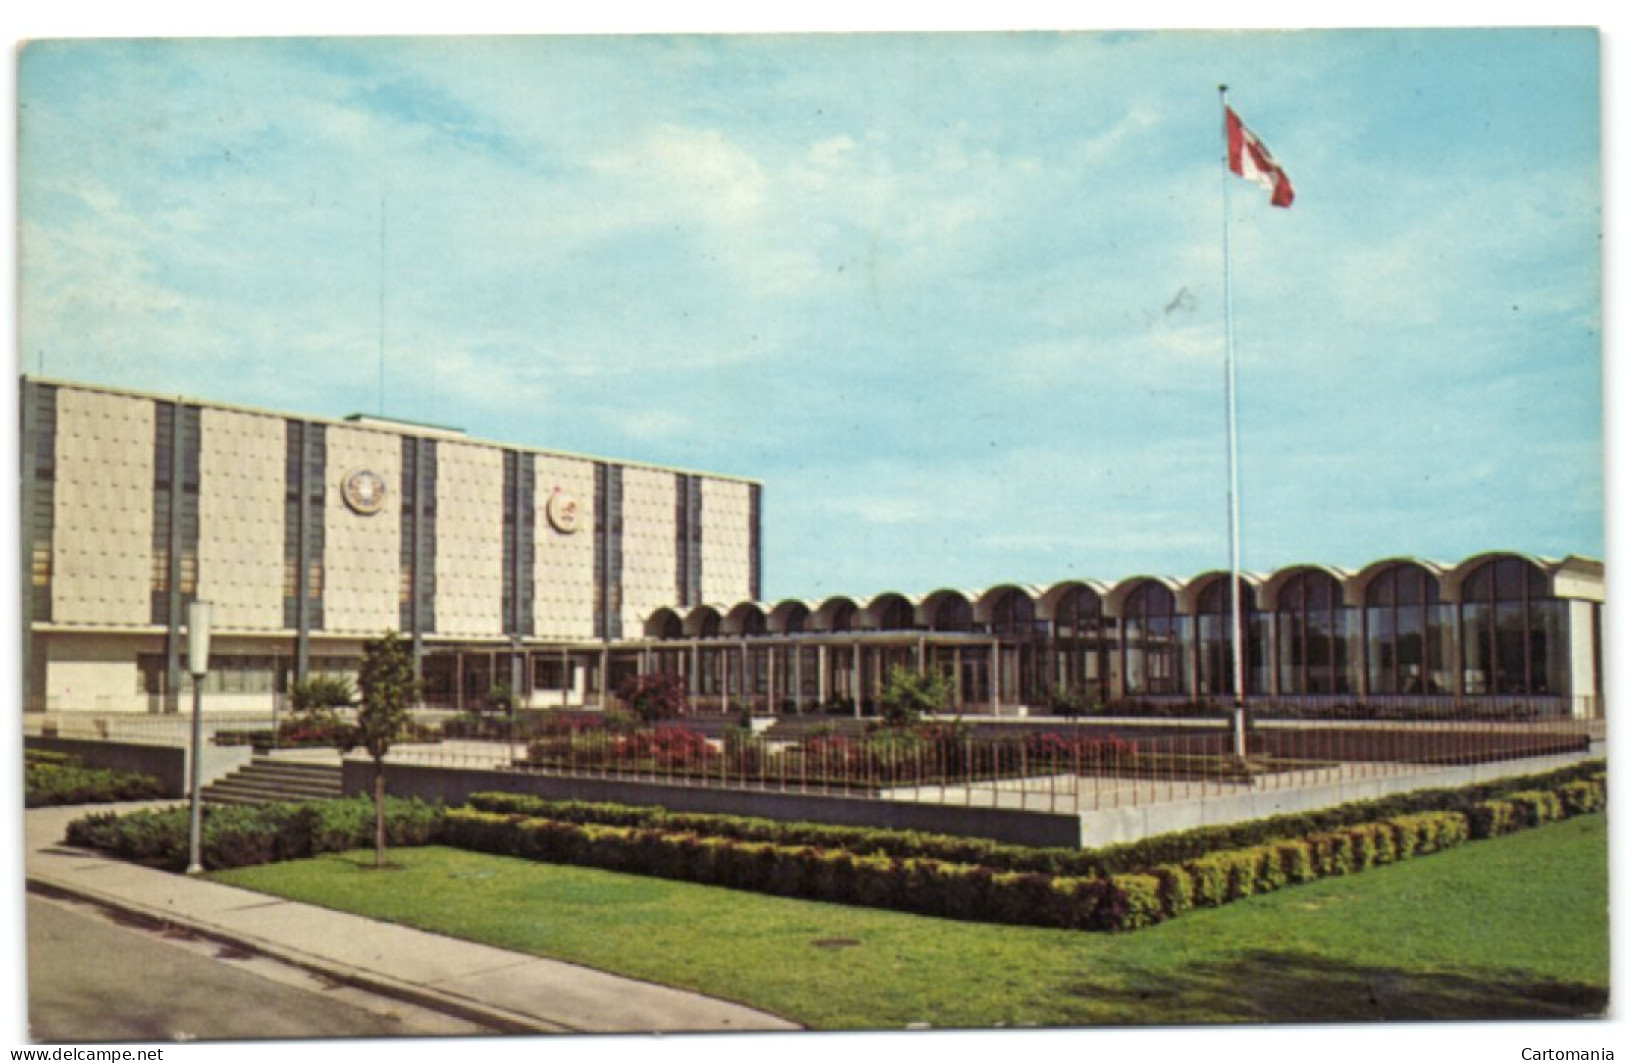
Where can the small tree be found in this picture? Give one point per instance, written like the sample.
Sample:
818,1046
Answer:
908,693
388,689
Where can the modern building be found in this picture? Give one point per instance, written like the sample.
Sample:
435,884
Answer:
310,536
555,575
1495,633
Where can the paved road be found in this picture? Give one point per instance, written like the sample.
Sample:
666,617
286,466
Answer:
91,978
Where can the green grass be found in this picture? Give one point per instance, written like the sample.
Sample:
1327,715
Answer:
1511,928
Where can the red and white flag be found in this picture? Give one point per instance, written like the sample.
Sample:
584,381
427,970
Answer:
1249,159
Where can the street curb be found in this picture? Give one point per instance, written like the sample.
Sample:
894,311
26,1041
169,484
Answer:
500,1019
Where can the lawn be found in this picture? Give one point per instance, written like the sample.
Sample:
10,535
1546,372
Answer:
1515,927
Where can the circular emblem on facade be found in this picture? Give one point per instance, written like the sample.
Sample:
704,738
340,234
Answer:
563,512
364,492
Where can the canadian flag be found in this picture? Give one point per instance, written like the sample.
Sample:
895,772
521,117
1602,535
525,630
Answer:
1249,159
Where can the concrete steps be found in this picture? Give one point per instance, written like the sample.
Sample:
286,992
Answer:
266,780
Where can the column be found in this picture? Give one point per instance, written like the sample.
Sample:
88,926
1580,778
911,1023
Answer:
857,679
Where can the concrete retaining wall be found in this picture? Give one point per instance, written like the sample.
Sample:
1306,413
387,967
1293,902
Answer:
454,785
167,763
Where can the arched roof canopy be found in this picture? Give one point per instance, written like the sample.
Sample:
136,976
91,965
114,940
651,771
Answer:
1008,610
789,617
1124,589
1050,599
746,618
889,611
946,610
703,622
1455,579
838,613
1192,592
1579,577
1269,591
663,623
1358,586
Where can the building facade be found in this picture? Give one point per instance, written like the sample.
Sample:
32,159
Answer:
1497,633
503,565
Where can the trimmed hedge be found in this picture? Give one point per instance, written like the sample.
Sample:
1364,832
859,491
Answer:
925,885
668,845
1175,848
242,836
51,778
921,885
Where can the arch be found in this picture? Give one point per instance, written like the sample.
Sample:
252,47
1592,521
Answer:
746,618
1207,600
1071,607
888,611
1355,587
1151,653
789,617
1408,628
1314,631
990,599
1009,612
1453,580
838,613
947,610
1513,629
1117,597
703,622
663,623
1269,589
1050,601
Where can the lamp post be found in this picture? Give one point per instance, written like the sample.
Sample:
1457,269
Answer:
197,663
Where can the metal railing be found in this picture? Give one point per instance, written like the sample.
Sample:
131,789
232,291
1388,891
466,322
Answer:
1071,768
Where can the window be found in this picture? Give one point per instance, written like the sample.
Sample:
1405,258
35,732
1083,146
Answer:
1313,641
1407,633
1151,642
1214,657
1513,631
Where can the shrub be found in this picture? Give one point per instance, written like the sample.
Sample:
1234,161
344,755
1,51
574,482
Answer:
321,692
1269,870
1536,807
242,836
909,694
1133,903
656,696
61,780
1175,888
1297,861
1582,796
1489,819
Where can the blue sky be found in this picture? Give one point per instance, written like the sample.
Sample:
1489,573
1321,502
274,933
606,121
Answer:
957,300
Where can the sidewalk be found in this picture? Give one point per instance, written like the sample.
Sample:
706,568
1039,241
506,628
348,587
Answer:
508,991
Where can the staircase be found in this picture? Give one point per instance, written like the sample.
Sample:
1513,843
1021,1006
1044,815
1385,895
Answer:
267,779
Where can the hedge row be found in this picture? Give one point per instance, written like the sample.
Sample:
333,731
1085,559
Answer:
919,885
1174,848
242,836
59,779
1221,877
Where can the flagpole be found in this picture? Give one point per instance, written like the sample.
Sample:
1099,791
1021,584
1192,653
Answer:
1238,718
